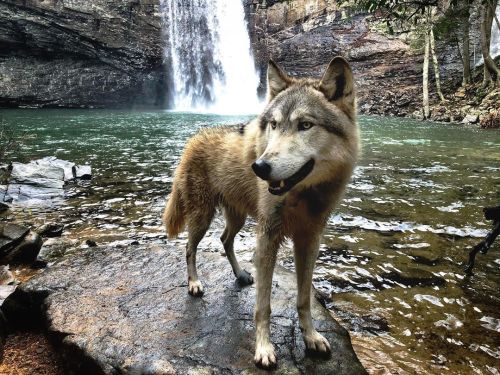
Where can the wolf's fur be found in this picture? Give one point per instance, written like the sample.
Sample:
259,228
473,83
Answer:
305,121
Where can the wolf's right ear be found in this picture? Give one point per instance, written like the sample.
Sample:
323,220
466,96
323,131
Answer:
277,80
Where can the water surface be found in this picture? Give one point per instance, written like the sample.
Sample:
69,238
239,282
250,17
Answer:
391,261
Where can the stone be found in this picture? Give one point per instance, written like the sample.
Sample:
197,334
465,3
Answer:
11,234
25,252
3,206
112,54
41,181
6,277
55,248
82,172
127,311
50,230
52,161
470,119
46,176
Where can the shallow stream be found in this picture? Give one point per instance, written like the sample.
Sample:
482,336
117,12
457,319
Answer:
391,261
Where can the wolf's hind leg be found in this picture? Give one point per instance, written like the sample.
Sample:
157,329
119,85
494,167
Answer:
306,248
234,223
197,227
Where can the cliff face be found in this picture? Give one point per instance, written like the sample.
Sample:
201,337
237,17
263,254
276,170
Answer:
304,35
76,53
99,53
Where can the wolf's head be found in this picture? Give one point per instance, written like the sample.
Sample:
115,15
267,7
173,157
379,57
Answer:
308,128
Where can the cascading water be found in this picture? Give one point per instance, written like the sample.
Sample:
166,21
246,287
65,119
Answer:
207,48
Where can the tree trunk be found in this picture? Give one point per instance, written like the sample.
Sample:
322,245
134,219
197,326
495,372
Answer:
489,63
435,64
425,77
466,77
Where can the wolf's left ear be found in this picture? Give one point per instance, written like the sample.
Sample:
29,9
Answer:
277,80
337,83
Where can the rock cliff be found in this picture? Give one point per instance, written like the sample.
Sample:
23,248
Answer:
79,53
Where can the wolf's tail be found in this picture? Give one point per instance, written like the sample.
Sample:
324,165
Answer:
174,215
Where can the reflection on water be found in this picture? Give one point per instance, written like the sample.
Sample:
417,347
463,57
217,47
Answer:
391,261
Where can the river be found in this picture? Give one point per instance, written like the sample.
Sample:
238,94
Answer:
392,256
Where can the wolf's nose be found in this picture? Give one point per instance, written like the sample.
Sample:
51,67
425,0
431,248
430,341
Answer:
262,169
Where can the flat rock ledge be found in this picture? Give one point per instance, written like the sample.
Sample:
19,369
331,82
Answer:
126,310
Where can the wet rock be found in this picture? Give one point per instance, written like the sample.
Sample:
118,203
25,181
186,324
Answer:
3,206
82,172
91,243
18,244
470,119
413,277
127,311
50,230
56,248
25,252
41,181
6,277
11,235
52,161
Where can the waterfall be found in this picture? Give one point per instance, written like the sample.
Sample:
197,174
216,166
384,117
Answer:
207,49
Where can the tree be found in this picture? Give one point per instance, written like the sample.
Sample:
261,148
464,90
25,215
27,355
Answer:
491,71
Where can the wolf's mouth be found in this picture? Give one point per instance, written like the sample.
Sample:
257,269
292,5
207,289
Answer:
282,186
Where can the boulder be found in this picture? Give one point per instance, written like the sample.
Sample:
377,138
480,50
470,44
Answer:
25,252
50,230
11,235
41,182
470,119
52,161
82,172
127,311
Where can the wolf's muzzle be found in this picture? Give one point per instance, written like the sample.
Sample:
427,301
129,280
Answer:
262,169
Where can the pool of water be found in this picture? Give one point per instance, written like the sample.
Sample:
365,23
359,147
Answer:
392,256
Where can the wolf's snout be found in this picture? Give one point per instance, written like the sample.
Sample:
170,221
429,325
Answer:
262,169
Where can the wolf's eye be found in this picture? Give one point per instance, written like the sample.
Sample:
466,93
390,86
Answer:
305,125
273,124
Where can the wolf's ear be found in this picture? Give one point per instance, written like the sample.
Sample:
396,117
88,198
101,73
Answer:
277,80
337,83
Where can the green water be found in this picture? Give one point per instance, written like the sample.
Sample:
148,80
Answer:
391,261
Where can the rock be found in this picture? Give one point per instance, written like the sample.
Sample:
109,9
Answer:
55,248
50,230
470,119
33,182
91,243
83,172
82,54
127,311
6,277
18,244
3,206
25,252
41,182
52,161
11,235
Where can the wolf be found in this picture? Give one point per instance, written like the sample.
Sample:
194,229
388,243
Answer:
288,169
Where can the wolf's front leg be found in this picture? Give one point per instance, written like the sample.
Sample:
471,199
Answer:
306,249
265,259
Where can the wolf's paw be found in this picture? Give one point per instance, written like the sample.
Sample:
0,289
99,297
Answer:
195,288
265,357
244,278
316,344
